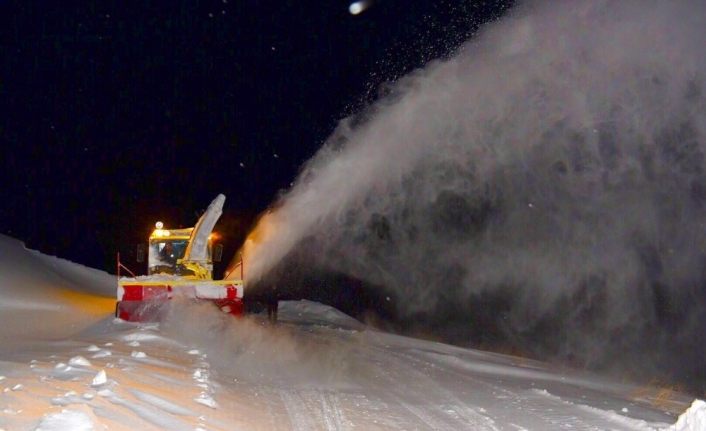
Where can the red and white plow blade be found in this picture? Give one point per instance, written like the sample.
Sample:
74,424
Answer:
136,297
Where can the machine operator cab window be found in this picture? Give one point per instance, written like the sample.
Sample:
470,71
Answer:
163,255
166,249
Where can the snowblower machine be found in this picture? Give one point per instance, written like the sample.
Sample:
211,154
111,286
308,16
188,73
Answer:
179,264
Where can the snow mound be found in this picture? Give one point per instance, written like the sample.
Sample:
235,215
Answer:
693,419
316,313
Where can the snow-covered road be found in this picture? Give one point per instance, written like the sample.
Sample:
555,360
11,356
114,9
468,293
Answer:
66,364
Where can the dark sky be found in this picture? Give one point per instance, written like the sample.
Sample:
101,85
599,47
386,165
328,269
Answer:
115,114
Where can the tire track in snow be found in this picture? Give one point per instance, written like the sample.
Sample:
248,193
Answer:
381,363
304,407
541,413
542,410
297,410
449,413
454,409
333,416
419,413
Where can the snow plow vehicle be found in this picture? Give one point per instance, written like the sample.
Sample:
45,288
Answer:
179,264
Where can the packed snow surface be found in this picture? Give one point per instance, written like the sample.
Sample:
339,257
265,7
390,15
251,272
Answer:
67,364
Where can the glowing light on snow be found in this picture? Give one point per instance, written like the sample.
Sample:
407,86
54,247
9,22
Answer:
357,7
264,230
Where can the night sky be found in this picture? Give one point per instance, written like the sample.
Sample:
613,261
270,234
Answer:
117,114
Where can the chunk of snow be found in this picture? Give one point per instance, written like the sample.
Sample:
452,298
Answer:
201,375
100,379
693,419
136,354
206,400
66,420
18,387
102,354
93,348
193,352
133,343
79,361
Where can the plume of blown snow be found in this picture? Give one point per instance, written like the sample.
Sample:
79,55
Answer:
555,162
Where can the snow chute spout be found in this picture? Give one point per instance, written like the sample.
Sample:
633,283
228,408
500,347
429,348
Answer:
197,250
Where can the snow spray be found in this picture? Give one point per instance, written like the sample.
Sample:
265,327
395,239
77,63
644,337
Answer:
250,351
549,176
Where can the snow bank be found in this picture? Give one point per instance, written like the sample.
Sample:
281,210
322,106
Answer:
694,419
316,313
81,278
46,297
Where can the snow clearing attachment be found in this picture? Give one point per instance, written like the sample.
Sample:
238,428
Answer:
179,264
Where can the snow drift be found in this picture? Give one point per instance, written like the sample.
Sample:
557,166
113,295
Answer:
47,297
